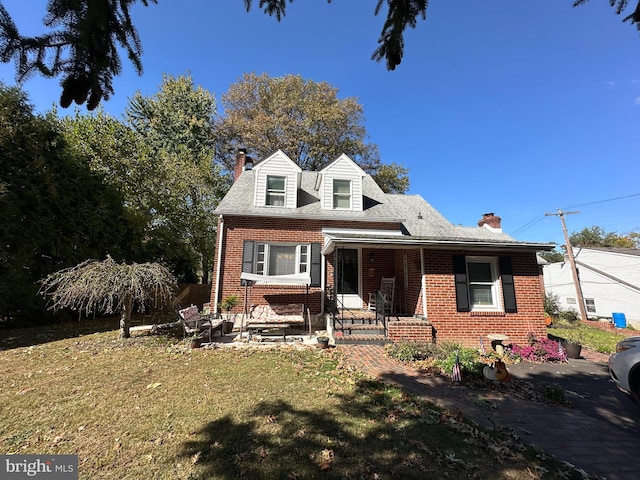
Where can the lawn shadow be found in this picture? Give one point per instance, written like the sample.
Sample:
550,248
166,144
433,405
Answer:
17,337
371,434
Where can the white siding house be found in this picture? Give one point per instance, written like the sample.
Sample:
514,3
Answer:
610,280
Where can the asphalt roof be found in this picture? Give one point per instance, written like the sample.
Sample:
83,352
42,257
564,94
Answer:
420,221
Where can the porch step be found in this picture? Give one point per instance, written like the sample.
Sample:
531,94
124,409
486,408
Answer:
361,339
362,329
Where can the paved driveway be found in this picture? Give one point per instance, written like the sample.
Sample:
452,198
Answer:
588,388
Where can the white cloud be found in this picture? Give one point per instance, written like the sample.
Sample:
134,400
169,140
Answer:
637,101
610,84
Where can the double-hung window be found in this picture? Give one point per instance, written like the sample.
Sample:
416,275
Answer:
342,194
480,281
281,259
275,190
483,285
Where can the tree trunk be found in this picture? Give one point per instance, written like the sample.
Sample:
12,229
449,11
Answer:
125,318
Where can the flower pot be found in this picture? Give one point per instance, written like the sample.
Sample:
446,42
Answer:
227,327
571,349
196,343
323,342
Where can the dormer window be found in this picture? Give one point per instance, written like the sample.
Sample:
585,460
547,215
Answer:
342,194
275,191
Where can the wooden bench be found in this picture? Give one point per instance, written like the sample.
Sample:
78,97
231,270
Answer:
275,317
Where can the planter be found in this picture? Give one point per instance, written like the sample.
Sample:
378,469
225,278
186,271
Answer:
196,343
572,349
323,342
227,327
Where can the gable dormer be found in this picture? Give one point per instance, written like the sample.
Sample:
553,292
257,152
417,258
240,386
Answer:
277,181
341,185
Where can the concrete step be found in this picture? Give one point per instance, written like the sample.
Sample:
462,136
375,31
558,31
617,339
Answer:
362,330
361,340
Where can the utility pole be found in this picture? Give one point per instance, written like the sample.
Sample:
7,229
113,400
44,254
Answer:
572,262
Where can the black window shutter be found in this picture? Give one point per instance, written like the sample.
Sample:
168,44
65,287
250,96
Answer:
247,257
462,289
316,259
508,288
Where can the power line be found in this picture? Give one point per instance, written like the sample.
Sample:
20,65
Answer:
603,201
534,221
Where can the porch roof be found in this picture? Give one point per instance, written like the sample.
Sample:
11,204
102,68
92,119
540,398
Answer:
409,241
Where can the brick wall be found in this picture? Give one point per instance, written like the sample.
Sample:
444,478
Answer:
469,327
238,229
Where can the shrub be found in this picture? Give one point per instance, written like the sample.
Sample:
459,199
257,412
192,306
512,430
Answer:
551,305
539,350
569,315
469,361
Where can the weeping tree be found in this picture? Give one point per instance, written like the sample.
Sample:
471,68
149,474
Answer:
109,287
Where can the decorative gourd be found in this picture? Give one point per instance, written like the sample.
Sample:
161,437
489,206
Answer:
489,372
501,372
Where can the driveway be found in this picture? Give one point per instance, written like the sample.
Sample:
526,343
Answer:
588,387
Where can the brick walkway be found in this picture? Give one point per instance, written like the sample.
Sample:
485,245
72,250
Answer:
597,445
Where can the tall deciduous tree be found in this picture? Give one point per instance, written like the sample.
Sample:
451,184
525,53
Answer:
84,50
176,125
306,119
597,237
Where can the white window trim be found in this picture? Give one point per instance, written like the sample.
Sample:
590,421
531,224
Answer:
342,195
275,192
496,285
264,263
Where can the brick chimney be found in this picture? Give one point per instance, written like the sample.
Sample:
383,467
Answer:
490,220
243,162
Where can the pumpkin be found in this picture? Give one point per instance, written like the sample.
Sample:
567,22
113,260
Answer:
489,372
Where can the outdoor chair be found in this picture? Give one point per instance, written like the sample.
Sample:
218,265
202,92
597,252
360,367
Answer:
195,324
387,291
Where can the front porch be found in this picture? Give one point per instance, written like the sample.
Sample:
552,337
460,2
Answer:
362,326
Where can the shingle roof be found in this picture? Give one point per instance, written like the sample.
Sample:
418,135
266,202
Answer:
420,221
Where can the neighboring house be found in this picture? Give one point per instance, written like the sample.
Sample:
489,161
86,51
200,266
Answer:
610,281
338,227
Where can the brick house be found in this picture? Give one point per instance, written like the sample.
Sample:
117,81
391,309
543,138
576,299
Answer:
340,229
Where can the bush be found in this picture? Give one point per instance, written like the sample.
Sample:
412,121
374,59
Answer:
551,305
570,315
469,362
539,350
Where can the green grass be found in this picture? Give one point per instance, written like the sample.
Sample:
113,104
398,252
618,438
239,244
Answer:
150,408
591,337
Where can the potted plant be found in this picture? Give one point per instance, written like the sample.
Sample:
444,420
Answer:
227,305
323,339
572,343
196,341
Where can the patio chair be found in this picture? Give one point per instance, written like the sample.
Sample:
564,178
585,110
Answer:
387,289
195,324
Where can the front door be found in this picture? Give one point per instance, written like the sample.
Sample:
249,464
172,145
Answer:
348,278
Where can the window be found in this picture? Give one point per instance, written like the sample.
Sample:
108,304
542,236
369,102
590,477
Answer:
478,285
281,259
591,305
482,283
275,191
342,194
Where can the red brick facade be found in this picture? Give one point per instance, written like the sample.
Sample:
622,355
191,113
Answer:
405,264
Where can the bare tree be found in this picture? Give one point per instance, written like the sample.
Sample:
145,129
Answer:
108,287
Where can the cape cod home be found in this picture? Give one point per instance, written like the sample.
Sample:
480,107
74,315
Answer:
609,279
340,231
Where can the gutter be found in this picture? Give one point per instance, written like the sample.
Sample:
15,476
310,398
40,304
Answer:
219,262
331,242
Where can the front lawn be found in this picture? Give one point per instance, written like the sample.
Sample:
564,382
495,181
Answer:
150,408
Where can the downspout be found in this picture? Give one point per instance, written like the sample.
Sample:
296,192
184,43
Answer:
424,284
219,262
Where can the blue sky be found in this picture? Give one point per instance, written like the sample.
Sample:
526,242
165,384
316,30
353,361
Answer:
513,107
